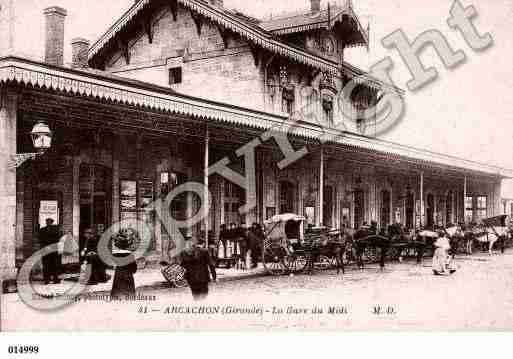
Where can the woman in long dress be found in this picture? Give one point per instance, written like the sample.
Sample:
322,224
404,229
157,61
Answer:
124,283
441,258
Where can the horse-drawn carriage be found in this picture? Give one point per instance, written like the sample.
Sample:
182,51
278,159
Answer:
287,248
493,230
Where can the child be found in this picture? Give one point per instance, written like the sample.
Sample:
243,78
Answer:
123,283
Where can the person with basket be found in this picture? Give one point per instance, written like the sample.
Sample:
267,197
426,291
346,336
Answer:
199,267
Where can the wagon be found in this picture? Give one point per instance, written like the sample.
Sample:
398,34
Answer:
283,235
286,248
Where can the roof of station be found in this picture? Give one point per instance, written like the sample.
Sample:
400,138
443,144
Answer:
149,97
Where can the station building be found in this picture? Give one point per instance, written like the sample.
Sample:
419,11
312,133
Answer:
173,88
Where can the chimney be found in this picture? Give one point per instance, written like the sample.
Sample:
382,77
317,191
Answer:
79,50
54,46
315,5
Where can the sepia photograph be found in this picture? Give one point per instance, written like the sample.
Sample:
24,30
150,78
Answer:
256,166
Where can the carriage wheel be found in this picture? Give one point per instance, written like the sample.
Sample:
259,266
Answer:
393,253
296,263
275,260
326,262
371,254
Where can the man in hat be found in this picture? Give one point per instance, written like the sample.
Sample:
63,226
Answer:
49,235
199,267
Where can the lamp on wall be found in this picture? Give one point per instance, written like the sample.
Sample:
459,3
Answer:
41,136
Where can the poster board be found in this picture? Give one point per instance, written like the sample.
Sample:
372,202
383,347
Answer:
48,209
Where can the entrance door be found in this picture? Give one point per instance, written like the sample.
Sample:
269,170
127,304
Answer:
385,209
328,206
448,208
287,191
409,210
430,211
95,198
359,208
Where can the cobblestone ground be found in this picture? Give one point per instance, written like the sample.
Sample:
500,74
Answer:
478,296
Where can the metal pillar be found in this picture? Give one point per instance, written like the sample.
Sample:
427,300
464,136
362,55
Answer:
422,199
205,182
321,190
465,199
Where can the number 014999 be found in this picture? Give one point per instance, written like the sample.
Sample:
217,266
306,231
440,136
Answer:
23,349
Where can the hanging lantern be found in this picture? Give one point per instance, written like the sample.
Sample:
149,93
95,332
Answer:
41,137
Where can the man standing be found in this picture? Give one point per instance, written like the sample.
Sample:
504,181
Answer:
51,262
198,263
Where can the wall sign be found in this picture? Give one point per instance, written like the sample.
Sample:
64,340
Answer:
48,209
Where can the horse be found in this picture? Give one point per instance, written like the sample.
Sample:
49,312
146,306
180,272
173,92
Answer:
455,235
493,234
364,238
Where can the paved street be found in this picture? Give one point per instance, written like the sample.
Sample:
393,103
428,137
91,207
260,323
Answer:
478,296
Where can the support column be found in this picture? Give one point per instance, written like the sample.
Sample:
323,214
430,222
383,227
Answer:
115,179
205,183
422,214
320,220
497,198
76,206
20,215
190,200
464,199
8,119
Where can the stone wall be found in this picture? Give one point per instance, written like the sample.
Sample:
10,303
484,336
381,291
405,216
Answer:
209,69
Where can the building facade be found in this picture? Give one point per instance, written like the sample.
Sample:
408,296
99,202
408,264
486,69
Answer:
186,90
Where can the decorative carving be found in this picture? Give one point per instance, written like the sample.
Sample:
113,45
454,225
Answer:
255,53
224,35
327,82
173,7
125,51
197,21
21,158
148,29
3,94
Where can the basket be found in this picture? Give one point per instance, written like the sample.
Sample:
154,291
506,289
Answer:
174,274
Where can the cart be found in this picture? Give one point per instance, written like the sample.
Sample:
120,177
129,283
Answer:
281,249
287,249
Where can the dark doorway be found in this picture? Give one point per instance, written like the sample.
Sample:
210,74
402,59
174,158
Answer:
409,210
328,207
448,208
385,209
359,208
287,191
95,198
430,211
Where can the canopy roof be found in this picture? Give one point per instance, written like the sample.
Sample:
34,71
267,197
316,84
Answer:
148,97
